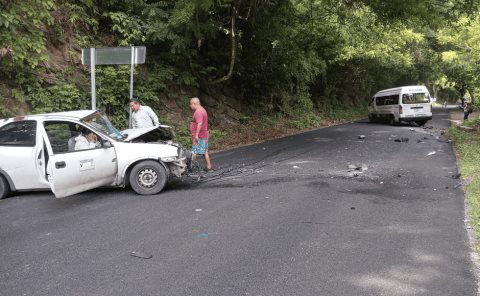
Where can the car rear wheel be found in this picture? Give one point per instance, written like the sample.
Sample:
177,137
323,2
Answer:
4,187
148,177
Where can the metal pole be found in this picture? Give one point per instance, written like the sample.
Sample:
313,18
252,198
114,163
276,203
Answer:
131,72
132,61
92,75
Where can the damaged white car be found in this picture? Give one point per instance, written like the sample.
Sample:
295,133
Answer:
71,152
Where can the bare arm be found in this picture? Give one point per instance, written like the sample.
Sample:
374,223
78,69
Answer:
199,128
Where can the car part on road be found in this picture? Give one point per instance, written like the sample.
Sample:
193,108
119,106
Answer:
140,254
148,177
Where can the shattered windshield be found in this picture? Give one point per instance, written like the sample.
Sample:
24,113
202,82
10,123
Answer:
415,98
100,121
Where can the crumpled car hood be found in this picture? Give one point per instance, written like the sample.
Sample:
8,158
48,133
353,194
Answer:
149,134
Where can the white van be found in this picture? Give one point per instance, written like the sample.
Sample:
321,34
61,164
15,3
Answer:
407,103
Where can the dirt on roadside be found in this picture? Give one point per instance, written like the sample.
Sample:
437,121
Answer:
254,132
456,116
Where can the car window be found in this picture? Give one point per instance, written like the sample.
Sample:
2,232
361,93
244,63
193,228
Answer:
387,100
19,134
415,98
68,136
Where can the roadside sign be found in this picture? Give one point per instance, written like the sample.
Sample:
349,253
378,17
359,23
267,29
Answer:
115,55
132,55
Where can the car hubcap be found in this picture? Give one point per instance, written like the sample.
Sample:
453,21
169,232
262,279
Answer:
147,178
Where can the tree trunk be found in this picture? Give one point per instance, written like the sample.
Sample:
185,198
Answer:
472,95
233,40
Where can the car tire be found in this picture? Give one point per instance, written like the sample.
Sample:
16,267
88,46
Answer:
148,177
4,187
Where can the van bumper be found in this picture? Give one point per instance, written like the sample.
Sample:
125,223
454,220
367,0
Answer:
422,118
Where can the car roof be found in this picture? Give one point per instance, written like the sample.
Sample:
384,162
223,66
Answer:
77,114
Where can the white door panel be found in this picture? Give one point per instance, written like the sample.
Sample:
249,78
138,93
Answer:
78,171
23,167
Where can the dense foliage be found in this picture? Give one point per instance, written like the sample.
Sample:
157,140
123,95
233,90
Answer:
297,57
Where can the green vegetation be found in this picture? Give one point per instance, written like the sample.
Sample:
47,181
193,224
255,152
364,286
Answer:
302,61
467,144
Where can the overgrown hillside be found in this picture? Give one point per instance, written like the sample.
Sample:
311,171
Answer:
256,64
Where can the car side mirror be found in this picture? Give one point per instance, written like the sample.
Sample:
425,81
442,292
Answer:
107,144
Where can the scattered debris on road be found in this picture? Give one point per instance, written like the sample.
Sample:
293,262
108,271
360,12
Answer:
357,167
456,176
361,137
431,153
140,254
404,140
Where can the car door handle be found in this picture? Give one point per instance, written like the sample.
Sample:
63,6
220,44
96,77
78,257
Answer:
60,165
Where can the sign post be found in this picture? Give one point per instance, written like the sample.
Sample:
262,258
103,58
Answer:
132,61
92,78
132,55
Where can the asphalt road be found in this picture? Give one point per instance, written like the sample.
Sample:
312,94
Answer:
286,217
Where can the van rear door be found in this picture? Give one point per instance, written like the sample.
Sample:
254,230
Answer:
416,105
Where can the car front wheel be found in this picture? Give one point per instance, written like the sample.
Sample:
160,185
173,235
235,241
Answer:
148,177
4,187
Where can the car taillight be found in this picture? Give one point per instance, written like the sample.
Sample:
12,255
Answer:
400,109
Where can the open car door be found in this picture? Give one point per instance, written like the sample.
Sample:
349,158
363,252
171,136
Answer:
71,170
79,171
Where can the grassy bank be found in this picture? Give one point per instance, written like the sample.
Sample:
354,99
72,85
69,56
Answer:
467,147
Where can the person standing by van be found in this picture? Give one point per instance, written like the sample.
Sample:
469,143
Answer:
467,110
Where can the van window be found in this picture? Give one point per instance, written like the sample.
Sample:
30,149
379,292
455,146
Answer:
416,98
387,100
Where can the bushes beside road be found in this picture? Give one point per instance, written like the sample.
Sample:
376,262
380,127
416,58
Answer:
467,146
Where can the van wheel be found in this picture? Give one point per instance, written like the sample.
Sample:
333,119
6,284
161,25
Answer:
4,187
148,177
393,121
421,122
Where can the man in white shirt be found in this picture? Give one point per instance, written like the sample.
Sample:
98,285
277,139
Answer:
142,116
86,141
